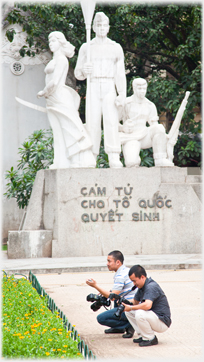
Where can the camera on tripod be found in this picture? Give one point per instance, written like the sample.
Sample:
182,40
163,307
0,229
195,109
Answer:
98,300
119,301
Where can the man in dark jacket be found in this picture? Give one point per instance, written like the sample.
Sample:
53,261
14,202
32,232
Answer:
150,311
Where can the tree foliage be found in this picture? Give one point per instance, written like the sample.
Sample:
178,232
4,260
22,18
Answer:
36,153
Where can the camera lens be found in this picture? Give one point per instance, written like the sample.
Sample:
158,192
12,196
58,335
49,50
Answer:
119,311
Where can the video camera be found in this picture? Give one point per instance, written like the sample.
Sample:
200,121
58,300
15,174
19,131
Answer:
98,300
121,300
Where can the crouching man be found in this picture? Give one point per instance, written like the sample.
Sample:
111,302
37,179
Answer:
150,311
122,286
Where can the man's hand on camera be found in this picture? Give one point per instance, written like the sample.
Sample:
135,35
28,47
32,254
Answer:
128,308
127,302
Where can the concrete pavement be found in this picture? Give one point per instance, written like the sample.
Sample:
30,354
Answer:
180,276
182,341
98,263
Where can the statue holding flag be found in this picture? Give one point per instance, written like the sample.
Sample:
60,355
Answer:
107,88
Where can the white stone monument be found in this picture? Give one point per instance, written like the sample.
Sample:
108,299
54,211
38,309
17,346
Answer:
107,74
135,135
76,210
72,144
88,212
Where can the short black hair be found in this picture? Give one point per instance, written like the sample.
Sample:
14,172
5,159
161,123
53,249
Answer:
138,270
117,255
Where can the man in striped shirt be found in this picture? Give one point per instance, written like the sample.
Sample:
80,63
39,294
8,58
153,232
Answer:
122,285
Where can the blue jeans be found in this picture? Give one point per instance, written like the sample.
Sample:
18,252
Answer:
109,319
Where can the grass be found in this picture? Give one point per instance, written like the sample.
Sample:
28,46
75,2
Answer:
4,247
30,329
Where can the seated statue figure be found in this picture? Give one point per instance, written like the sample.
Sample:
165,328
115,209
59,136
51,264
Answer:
72,144
135,135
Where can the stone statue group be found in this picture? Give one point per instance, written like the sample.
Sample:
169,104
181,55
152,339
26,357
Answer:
77,144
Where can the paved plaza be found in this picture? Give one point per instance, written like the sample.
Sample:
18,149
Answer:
180,276
183,339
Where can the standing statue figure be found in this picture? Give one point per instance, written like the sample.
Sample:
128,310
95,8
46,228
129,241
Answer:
72,144
107,74
135,135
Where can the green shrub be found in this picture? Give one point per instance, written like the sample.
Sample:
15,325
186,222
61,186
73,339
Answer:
36,153
30,329
188,151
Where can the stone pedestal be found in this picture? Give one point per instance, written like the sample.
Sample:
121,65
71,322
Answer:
29,244
140,211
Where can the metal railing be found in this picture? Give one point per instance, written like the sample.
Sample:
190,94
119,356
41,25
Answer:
83,348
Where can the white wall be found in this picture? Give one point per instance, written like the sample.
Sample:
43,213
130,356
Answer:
18,122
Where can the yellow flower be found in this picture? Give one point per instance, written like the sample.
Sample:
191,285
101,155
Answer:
64,351
65,345
54,350
26,332
59,332
44,330
47,353
59,349
49,339
21,337
59,329
41,347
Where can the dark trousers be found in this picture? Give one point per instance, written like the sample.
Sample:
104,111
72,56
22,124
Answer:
110,320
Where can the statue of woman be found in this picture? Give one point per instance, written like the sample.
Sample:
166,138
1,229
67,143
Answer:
72,144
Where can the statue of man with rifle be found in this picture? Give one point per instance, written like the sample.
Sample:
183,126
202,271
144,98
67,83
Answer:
135,135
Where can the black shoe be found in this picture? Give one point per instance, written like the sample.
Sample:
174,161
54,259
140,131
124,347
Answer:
152,342
137,340
114,330
129,332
